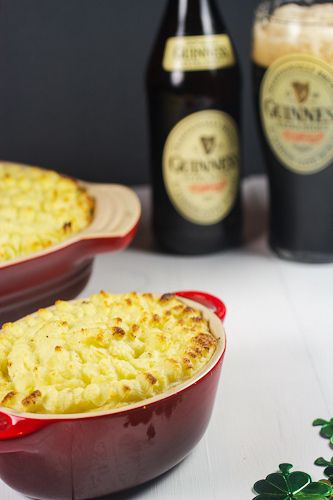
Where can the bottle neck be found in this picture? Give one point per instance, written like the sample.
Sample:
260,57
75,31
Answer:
194,17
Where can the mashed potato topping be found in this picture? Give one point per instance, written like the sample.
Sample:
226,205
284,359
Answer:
101,353
39,208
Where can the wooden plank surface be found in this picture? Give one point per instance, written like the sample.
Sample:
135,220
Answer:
277,375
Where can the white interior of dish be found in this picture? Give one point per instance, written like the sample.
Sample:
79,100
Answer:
117,212
216,329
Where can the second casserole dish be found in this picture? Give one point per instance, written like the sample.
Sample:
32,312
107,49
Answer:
62,270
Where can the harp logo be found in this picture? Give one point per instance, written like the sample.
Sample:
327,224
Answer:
302,91
209,144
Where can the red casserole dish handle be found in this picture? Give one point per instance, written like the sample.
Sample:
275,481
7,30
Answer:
13,427
207,300
117,216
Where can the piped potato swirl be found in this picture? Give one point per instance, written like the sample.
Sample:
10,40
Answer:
101,353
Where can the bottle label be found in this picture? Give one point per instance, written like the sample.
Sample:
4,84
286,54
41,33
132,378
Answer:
201,166
297,112
198,53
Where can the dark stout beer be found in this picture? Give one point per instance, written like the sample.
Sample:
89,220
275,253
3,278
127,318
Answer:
293,82
193,84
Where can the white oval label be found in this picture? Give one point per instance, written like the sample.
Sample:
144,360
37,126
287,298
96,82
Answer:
297,112
201,166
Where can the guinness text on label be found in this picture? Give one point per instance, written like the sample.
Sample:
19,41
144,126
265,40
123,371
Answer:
195,54
297,112
292,115
201,166
198,53
178,164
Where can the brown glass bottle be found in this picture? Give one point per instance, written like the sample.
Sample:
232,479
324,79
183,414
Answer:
193,86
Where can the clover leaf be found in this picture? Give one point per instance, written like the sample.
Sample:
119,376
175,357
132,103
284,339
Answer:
329,467
326,481
326,428
287,485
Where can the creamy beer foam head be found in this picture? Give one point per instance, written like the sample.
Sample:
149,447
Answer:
294,28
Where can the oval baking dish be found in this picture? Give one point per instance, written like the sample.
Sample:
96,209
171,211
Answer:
63,270
85,456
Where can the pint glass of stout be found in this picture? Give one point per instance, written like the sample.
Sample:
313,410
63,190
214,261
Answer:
293,82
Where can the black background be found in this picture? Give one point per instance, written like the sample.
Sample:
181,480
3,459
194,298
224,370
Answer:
71,84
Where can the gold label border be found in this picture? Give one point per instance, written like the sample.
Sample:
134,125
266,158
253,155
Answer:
198,53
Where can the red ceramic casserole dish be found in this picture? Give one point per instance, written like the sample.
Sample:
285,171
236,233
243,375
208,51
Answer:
62,271
90,455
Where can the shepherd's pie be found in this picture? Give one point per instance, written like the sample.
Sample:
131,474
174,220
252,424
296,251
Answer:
101,353
38,209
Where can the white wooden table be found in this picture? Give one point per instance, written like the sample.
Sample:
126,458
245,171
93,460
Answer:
278,373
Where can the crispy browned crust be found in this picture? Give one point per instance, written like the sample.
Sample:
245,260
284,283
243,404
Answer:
151,379
167,297
32,399
118,332
205,340
7,399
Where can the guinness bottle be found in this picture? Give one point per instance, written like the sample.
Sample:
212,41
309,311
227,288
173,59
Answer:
193,84
293,83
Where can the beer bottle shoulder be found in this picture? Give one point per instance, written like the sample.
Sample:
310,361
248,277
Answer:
197,82
193,74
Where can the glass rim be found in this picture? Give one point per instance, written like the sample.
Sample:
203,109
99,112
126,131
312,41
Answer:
264,13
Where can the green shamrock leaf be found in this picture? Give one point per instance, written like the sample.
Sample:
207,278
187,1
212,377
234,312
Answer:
326,428
287,485
328,467
325,481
